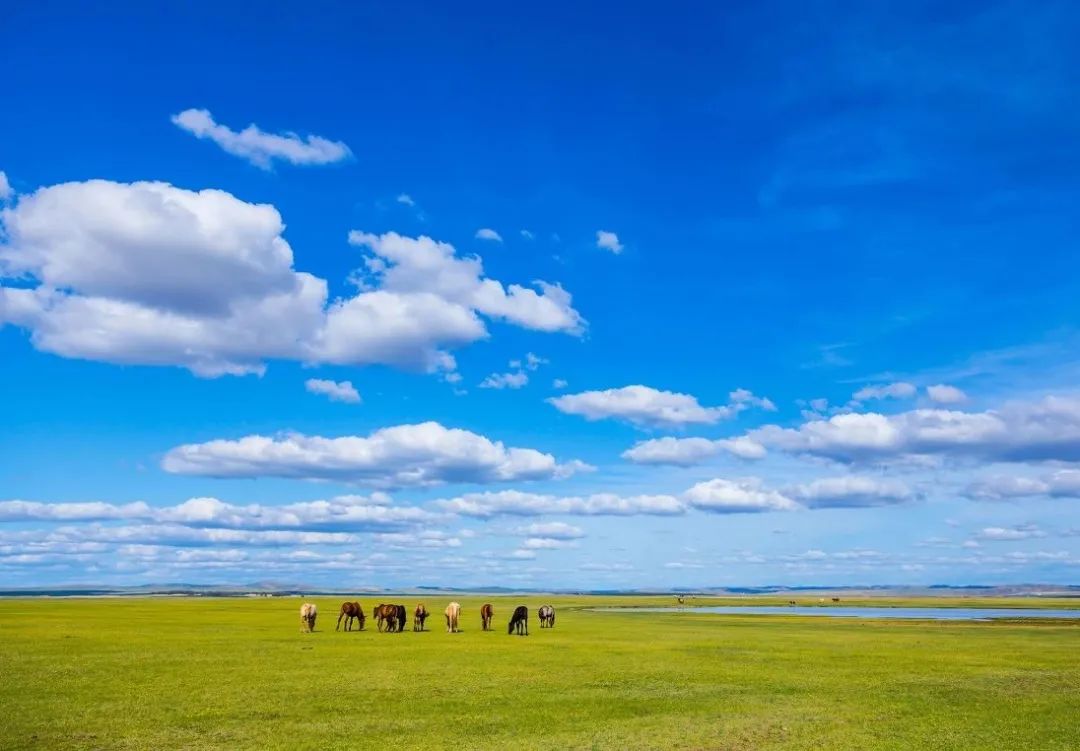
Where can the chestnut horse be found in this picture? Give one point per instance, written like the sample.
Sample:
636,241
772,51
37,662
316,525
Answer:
350,611
386,617
486,614
419,616
453,613
547,616
520,621
308,613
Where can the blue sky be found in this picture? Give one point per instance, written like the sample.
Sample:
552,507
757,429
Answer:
399,294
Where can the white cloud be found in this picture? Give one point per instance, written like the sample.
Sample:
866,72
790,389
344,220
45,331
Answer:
401,456
1063,483
406,199
259,147
533,361
944,394
150,274
746,495
1048,429
342,391
6,191
685,452
851,491
898,390
547,543
553,530
527,235
559,383
608,241
517,503
646,406
1010,534
514,380
486,233
13,511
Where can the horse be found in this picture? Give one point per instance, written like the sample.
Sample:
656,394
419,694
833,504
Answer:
790,602
401,612
419,616
836,599
349,611
453,613
386,617
547,616
308,613
486,614
520,621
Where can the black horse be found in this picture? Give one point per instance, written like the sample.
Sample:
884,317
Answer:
401,618
520,621
546,614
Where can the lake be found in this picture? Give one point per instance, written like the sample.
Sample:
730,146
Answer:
934,614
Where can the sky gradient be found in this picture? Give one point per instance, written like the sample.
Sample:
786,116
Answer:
398,294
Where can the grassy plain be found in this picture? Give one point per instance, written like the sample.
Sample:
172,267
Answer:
162,673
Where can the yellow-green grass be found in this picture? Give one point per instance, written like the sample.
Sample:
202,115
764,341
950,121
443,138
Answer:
157,673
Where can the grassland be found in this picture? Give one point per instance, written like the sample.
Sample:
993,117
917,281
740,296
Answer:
159,673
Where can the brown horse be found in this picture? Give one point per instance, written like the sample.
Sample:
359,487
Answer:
486,614
419,616
520,621
386,617
350,611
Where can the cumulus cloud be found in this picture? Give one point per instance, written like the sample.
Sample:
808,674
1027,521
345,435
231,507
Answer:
685,452
517,503
514,380
646,406
150,274
945,394
608,241
259,147
342,391
745,495
552,530
401,456
486,233
1063,483
851,491
898,390
6,191
406,199
1048,429
14,511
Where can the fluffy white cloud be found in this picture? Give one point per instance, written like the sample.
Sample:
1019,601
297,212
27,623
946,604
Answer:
1063,483
13,511
851,491
646,406
5,187
406,199
685,452
150,274
559,383
517,503
259,147
746,495
400,456
552,530
487,233
898,390
1010,534
342,391
608,241
945,394
1048,429
514,380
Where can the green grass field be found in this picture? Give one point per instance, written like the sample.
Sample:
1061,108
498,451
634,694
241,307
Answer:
237,673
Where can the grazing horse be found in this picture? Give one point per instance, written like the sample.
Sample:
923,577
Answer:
386,617
486,614
836,599
547,616
419,616
453,613
520,621
349,611
401,612
308,613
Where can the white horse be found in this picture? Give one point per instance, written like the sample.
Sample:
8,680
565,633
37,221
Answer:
308,613
453,612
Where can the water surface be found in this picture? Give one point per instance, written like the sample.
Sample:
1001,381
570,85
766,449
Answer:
934,614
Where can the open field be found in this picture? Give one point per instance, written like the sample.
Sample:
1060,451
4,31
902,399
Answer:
154,673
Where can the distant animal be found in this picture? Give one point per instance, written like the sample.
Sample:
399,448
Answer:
453,613
308,613
821,601
836,599
486,614
680,598
790,602
401,612
520,621
351,611
419,616
386,617
546,613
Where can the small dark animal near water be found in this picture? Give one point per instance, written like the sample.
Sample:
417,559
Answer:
386,617
546,613
520,621
401,612
419,616
351,611
486,614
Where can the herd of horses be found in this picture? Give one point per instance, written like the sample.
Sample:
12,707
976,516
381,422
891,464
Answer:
390,618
